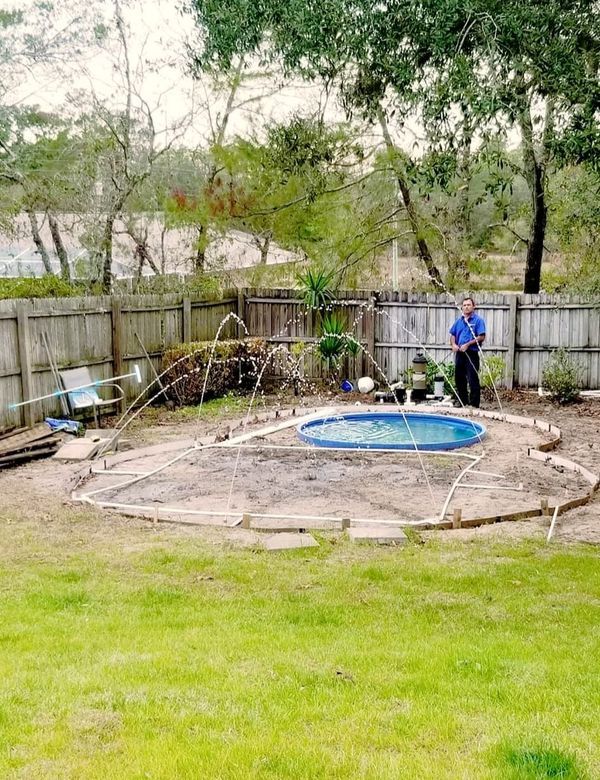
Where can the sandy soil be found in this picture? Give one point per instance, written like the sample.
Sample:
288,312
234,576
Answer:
358,485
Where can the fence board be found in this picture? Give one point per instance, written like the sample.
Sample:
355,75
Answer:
522,328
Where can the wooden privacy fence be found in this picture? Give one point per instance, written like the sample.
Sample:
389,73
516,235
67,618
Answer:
107,334
521,329
103,333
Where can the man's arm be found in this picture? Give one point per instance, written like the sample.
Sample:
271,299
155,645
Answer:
476,340
453,343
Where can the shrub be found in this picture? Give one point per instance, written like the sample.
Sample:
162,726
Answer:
555,281
434,369
492,371
235,366
48,286
201,284
561,377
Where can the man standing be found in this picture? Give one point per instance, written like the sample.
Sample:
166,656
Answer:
466,337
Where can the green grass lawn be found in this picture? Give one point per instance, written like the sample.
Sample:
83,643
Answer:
176,659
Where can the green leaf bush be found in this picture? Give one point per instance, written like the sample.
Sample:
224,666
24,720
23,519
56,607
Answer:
492,371
561,377
434,369
235,366
48,286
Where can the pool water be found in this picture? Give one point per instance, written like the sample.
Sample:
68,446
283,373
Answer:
391,430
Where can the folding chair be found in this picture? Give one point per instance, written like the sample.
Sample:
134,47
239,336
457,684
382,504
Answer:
86,395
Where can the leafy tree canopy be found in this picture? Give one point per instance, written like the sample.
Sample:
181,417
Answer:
464,68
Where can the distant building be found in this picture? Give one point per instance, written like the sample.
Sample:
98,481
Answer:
171,250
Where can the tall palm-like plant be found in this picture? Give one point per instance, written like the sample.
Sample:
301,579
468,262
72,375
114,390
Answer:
316,286
332,342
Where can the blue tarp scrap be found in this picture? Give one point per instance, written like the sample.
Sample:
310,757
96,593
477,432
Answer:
69,426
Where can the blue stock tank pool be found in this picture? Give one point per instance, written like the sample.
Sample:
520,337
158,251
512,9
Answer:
391,430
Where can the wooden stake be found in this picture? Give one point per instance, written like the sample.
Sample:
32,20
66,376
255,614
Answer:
345,523
246,520
457,518
544,505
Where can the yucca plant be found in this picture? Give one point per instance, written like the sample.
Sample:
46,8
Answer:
317,292
332,342
353,346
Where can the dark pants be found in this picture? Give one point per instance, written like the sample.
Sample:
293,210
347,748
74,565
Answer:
465,372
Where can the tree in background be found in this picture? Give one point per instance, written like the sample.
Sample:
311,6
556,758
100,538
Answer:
464,69
518,65
358,47
574,217
464,80
45,174
36,153
113,140
126,142
204,206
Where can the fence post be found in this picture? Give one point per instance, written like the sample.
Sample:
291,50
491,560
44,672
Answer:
512,342
370,321
186,321
241,313
117,343
25,363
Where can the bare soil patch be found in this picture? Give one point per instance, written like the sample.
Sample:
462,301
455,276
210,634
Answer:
368,485
38,494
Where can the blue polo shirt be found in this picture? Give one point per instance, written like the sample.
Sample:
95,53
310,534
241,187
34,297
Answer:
466,330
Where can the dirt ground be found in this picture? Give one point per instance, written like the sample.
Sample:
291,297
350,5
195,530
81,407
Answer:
358,485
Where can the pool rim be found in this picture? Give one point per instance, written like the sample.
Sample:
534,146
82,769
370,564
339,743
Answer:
476,438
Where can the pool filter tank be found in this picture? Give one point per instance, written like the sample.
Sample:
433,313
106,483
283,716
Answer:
438,387
419,377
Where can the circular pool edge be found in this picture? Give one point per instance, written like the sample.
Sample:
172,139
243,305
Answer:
479,432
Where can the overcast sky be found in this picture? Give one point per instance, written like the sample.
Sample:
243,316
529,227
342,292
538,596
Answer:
157,32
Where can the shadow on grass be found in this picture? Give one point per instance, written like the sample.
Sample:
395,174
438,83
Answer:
541,763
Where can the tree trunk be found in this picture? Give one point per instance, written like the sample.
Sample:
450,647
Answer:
537,232
263,246
535,176
413,218
200,256
218,137
38,241
139,256
63,257
142,252
163,256
107,243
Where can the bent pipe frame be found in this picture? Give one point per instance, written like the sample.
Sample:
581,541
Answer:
441,522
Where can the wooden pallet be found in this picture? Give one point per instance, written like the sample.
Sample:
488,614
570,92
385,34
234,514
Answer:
22,444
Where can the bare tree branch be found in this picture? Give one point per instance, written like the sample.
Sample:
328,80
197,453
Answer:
507,227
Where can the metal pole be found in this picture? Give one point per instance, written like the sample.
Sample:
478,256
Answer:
63,403
151,364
